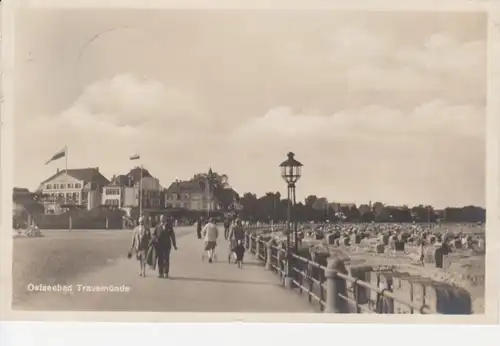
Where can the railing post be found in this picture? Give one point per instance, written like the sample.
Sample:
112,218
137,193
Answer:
70,225
335,286
288,270
257,247
247,240
269,259
250,240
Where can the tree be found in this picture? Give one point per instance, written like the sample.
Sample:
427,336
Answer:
319,209
271,203
218,186
320,204
399,214
216,180
310,200
380,212
364,209
350,212
377,207
249,203
421,213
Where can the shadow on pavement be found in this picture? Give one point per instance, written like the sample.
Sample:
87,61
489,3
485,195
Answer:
181,278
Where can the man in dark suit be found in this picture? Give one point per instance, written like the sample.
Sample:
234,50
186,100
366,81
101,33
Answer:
199,226
163,240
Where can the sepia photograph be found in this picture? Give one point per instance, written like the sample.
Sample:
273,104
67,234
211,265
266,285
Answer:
279,161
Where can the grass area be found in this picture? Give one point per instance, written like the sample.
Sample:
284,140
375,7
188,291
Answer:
61,256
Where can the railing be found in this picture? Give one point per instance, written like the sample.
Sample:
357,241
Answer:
328,285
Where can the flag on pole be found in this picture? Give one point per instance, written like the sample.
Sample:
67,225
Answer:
58,155
135,157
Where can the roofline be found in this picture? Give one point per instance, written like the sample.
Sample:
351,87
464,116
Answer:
68,172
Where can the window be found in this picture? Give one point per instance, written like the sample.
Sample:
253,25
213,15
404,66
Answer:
112,202
112,192
56,186
69,196
48,186
62,186
70,186
78,186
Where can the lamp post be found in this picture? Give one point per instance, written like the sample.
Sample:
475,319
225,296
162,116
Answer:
291,172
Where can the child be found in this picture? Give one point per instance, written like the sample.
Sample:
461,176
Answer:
239,251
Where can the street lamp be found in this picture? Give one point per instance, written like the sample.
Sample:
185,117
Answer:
290,172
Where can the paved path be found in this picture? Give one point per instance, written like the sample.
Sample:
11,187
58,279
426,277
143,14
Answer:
193,286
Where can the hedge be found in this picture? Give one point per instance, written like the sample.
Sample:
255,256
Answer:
81,219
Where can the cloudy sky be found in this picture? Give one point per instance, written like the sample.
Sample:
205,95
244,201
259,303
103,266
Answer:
381,106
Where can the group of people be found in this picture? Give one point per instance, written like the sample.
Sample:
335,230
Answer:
153,247
234,233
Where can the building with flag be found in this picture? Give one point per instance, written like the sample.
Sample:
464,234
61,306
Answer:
81,187
123,190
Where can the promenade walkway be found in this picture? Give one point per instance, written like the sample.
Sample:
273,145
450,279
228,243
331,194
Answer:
193,286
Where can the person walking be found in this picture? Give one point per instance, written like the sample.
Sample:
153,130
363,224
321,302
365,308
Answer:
210,234
421,252
237,234
227,226
199,227
140,243
163,239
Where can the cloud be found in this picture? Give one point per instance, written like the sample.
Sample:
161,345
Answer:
439,64
402,79
362,67
353,45
371,122
445,55
127,106
433,154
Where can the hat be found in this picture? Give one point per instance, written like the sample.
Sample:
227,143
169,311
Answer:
141,219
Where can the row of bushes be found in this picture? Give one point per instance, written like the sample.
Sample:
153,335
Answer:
81,219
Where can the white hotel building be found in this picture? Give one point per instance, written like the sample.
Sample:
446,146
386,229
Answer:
78,187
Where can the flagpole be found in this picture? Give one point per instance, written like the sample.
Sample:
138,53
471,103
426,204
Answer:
207,198
66,170
66,159
140,194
